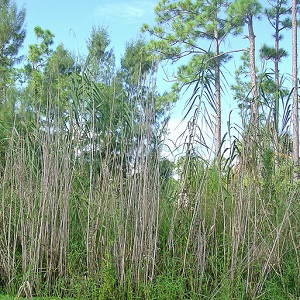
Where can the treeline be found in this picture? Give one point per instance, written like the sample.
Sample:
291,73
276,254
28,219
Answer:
201,35
89,205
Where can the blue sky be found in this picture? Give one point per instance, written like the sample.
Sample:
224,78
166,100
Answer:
71,21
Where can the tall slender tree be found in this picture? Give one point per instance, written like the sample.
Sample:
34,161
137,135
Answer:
101,58
242,12
137,78
278,16
295,89
38,56
182,25
12,35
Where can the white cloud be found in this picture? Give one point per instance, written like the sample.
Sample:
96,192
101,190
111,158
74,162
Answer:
127,10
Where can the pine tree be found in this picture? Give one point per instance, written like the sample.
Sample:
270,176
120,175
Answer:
242,12
278,17
101,59
12,35
295,89
183,27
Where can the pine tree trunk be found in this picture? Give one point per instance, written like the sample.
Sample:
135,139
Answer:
295,90
254,105
217,93
276,106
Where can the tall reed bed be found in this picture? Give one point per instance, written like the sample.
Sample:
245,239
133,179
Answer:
86,212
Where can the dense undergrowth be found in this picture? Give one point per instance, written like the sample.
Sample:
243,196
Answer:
93,215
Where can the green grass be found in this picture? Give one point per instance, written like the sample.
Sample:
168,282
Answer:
7,297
